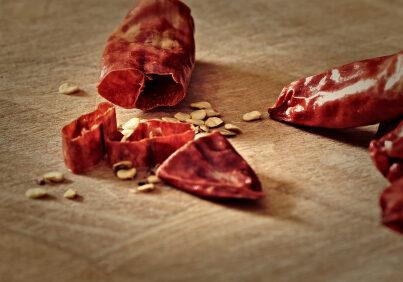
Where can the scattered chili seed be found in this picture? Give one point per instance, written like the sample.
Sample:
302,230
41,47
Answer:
122,165
153,179
212,113
195,121
54,176
226,133
232,127
70,194
36,193
146,187
182,116
169,119
201,105
68,88
199,114
204,128
126,173
254,115
131,124
214,122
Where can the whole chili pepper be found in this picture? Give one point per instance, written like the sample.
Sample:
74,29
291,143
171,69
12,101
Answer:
387,153
356,94
391,202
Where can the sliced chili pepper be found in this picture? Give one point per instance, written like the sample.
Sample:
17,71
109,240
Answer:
360,93
83,138
209,166
149,58
151,143
387,153
391,202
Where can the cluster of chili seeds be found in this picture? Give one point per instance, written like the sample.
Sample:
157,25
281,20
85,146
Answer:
205,119
52,177
124,170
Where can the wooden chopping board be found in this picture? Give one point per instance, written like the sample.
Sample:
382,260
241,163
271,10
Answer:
320,220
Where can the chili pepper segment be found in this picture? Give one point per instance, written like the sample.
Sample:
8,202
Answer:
149,58
387,153
83,138
391,203
209,166
151,143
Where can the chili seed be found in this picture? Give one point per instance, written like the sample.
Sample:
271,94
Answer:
199,114
70,194
232,127
182,116
122,165
254,115
36,193
126,173
226,133
54,176
214,122
146,187
204,128
153,179
68,88
131,124
195,121
169,119
201,105
212,113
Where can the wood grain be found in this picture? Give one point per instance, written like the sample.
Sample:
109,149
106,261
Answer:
320,219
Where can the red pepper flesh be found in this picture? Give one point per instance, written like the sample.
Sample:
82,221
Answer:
391,202
83,138
209,166
387,153
149,58
151,143
360,93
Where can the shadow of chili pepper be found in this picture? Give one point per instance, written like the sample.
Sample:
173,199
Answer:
358,136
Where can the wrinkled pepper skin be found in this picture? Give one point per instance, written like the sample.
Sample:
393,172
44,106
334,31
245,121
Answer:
360,93
148,60
387,153
210,167
391,203
83,138
151,143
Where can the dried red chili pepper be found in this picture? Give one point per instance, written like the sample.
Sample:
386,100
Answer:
83,138
209,166
150,144
391,202
149,58
356,94
387,153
